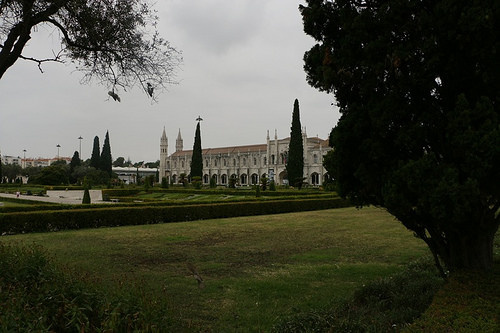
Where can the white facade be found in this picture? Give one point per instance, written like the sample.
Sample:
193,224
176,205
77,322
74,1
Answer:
129,174
246,163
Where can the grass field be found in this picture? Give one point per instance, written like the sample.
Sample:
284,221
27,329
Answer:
255,269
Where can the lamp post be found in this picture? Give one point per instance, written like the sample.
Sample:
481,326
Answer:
58,146
80,151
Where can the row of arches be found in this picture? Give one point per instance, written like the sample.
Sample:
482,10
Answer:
225,162
244,179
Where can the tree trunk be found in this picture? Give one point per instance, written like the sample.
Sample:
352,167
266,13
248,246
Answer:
470,251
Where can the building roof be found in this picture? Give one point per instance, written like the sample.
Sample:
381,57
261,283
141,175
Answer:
224,150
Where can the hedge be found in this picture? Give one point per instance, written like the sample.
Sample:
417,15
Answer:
54,220
246,191
134,202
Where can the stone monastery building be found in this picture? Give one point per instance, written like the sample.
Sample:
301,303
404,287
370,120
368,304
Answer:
246,163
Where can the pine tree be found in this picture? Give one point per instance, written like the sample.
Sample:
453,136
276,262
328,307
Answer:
197,159
106,161
295,160
96,155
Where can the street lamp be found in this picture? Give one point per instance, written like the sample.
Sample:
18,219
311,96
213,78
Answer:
80,152
58,146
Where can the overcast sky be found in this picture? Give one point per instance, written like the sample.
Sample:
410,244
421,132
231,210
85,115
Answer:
241,73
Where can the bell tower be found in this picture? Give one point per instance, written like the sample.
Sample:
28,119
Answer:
163,154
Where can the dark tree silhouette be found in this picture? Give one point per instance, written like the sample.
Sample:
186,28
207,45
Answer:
295,160
95,159
75,162
418,86
105,162
197,159
113,42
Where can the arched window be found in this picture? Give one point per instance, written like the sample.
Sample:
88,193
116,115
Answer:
315,179
223,179
265,160
215,162
175,164
206,163
244,161
255,179
254,161
272,159
234,162
225,162
243,179
315,158
182,164
205,179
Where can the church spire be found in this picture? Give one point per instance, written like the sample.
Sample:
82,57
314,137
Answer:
163,144
164,136
179,144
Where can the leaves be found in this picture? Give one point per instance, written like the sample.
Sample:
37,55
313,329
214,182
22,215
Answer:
113,42
418,90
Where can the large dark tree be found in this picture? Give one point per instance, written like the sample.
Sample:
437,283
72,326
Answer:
106,161
113,42
418,86
197,159
95,159
295,160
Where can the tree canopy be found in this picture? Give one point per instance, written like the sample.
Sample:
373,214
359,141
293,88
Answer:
418,87
113,42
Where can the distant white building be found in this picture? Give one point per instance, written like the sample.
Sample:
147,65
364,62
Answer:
129,174
6,159
32,162
246,163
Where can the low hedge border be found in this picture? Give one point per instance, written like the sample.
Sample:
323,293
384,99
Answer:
135,202
55,220
246,191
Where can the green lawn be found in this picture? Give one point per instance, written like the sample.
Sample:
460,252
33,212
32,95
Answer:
256,269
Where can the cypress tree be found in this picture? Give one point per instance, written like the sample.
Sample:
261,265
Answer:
86,196
295,161
75,162
197,159
106,161
96,155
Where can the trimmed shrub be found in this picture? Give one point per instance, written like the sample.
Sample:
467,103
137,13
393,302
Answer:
86,197
54,220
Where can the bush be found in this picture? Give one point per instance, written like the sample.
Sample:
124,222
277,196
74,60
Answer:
37,297
469,302
86,197
272,186
384,305
164,182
